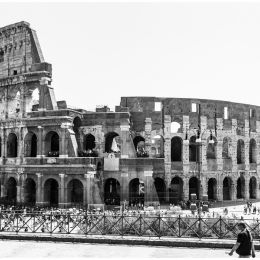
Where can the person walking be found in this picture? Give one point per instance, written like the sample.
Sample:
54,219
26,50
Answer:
244,246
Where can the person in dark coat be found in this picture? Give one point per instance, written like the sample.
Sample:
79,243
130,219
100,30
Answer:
244,246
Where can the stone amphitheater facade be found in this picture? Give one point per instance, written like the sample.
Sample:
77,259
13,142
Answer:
144,152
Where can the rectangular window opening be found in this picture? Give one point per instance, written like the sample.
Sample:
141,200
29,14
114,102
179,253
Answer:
225,113
157,106
193,107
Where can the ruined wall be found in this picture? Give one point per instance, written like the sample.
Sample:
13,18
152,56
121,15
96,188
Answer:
19,49
144,107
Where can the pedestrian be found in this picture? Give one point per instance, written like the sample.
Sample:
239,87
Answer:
244,246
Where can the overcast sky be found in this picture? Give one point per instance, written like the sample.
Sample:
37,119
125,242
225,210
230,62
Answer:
102,51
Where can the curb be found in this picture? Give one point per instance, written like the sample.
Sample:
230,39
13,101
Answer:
185,242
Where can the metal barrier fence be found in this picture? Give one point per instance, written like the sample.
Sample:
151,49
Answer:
125,225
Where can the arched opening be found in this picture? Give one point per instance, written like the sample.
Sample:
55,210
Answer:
35,100
51,192
175,126
176,149
112,143
112,192
157,147
30,145
194,186
139,143
212,148
75,192
240,188
252,188
252,151
227,188
76,128
89,145
0,147
12,145
136,192
226,148
30,191
176,190
160,189
240,152
193,150
52,144
11,191
212,189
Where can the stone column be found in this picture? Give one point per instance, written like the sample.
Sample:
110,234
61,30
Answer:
148,129
150,193
40,143
39,191
4,143
219,191
89,192
167,154
64,140
124,189
3,189
186,188
234,191
62,196
247,196
124,139
233,149
98,140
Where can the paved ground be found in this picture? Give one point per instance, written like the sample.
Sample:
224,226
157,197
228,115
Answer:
68,250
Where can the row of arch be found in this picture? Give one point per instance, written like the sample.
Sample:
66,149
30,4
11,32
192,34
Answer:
137,190
211,153
52,143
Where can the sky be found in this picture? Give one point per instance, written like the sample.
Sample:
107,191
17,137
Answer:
102,51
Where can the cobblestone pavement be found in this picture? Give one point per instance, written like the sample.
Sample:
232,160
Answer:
68,250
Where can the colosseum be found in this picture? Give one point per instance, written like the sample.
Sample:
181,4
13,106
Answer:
150,150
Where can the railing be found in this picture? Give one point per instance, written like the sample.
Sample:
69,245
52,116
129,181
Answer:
124,225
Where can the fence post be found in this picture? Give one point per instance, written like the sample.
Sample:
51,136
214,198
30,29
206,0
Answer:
68,219
33,222
51,223
122,227
179,223
220,227
86,219
200,231
16,215
140,226
159,225
104,224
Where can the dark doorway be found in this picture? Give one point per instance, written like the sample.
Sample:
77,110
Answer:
160,189
51,192
30,191
75,192
112,192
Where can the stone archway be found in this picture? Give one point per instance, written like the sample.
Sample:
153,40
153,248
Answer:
12,145
241,188
11,190
176,190
51,192
136,192
160,189
112,192
30,191
212,189
252,188
75,192
227,188
194,186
